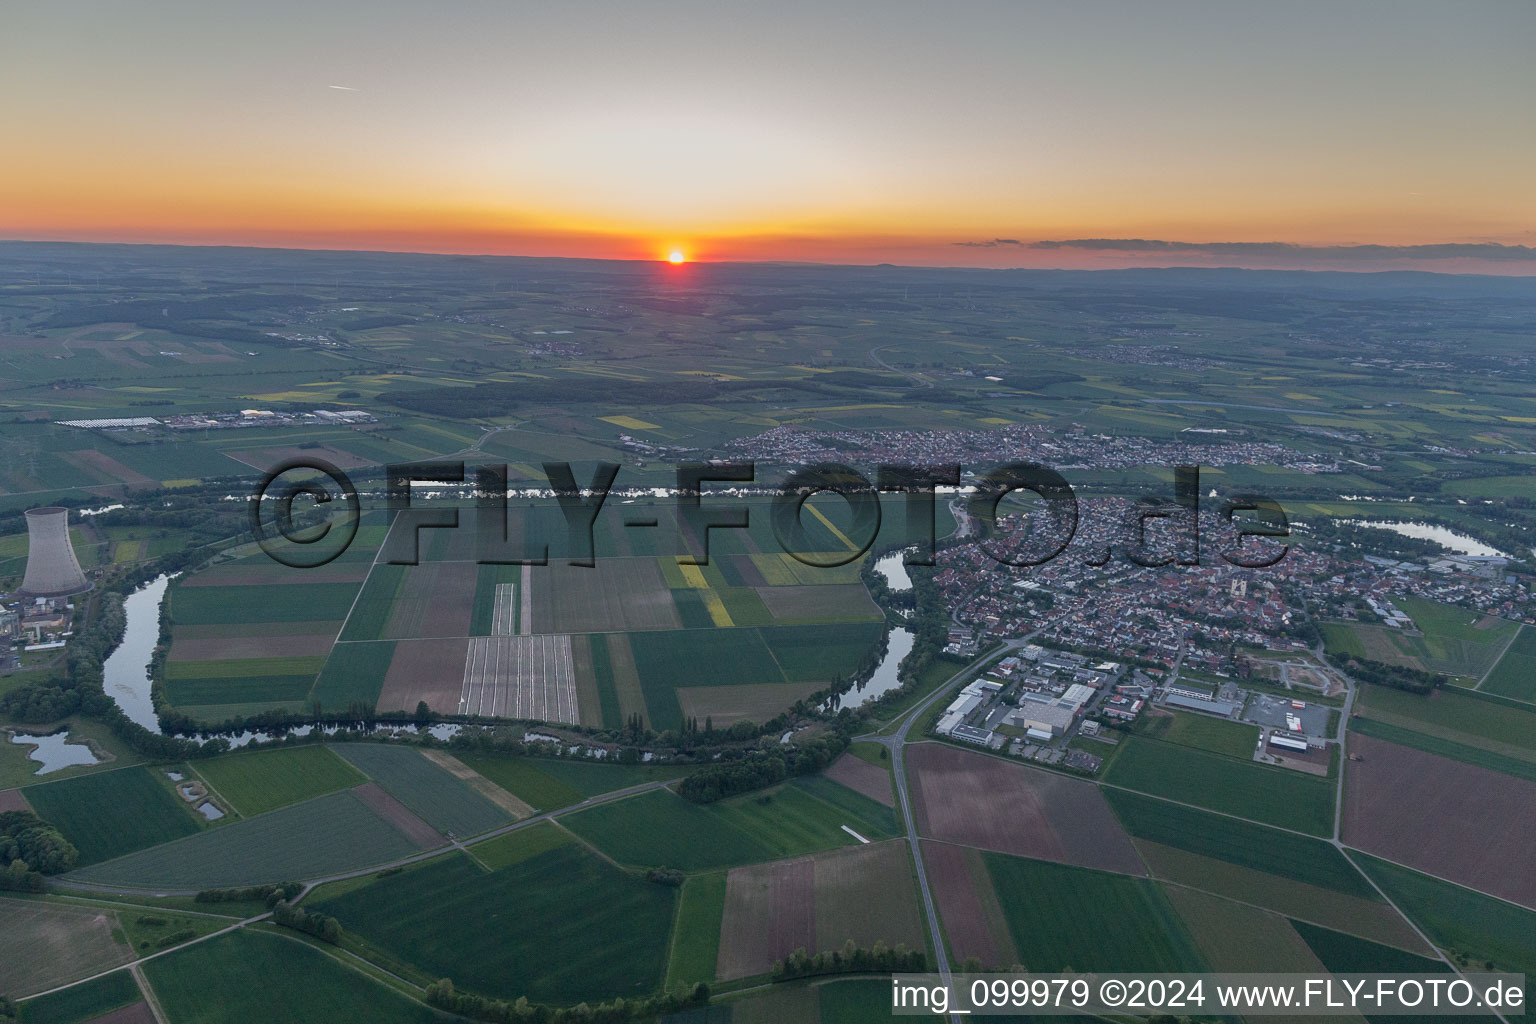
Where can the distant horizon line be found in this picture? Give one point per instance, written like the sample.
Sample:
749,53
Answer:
1508,265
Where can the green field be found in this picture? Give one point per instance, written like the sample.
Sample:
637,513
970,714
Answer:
1066,918
520,844
1347,954
292,602
696,933
370,615
817,653
525,779
1515,674
110,814
353,673
863,1001
659,828
1478,926
561,926
253,975
429,790
1242,788
1238,842
83,1002
768,654
319,837
1234,739
214,691
264,780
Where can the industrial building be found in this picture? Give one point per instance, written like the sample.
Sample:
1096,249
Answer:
1209,705
1043,719
1288,742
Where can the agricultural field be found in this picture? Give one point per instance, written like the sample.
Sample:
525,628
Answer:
290,602
1515,674
1417,809
319,837
403,674
1233,739
956,796
87,1002
696,932
659,828
525,779
817,903
1064,918
601,931
969,911
1455,918
429,790
356,677
615,595
1285,854
1342,953
1520,767
1462,716
110,814
863,777
519,845
1460,643
524,677
1244,789
230,980
1237,938
1370,919
43,945
264,780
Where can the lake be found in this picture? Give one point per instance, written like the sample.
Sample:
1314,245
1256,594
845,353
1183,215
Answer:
1444,536
55,752
894,570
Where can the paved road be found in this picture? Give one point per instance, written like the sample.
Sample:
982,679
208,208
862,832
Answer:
896,743
916,379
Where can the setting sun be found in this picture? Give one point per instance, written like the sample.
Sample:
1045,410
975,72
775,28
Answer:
675,256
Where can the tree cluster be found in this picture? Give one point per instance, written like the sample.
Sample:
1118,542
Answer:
442,995
1399,677
29,849
666,876
326,929
851,959
267,894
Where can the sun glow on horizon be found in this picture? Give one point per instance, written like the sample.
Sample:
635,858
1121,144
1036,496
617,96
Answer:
676,256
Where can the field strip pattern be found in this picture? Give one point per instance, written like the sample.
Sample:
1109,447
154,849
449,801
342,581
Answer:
525,589
504,613
520,677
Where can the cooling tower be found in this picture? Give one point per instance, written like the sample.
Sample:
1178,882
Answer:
52,570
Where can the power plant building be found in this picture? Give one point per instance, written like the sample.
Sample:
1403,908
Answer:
52,569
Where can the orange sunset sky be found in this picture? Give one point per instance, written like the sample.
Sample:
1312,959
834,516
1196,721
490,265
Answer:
940,134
